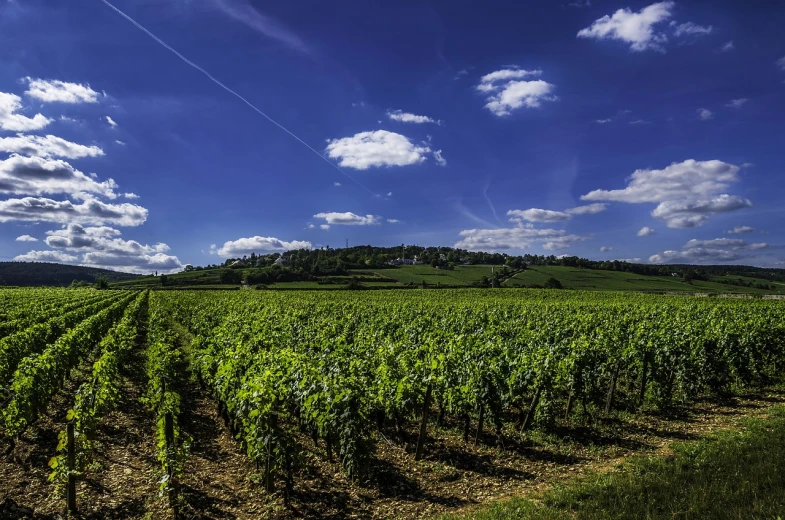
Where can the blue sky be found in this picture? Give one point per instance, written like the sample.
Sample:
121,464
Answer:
146,134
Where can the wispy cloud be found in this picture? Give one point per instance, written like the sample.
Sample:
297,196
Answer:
243,12
232,92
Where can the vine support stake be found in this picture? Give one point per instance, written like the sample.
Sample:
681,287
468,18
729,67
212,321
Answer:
70,488
423,424
480,421
532,409
169,436
644,376
612,390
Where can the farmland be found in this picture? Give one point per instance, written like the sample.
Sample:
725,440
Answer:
308,403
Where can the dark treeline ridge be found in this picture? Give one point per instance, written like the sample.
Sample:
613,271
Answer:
305,264
28,274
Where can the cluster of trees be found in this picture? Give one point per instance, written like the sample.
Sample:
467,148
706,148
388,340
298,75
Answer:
314,264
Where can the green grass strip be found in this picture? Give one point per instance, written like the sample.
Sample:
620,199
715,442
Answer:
729,475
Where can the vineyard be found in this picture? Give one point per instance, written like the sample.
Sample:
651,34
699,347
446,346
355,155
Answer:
321,398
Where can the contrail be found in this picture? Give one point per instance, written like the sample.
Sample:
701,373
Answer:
488,200
232,92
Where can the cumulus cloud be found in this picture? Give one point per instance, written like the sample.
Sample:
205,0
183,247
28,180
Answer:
709,251
13,121
729,46
46,256
737,103
111,121
324,226
588,209
646,231
26,238
348,219
704,114
687,214
407,117
89,212
519,237
101,246
606,249
691,29
56,91
634,28
687,193
257,244
506,91
380,148
130,196
739,230
537,215
21,175
47,146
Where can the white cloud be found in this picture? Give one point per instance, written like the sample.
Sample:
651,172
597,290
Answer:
537,215
111,121
52,91
393,220
121,143
606,249
47,146
257,244
687,214
709,251
337,184
130,196
380,148
348,218
634,28
687,193
646,231
519,237
89,212
739,230
102,246
39,175
324,226
691,29
705,114
440,160
635,260
407,117
506,91
639,122
729,46
46,256
26,238
781,63
588,209
12,121
737,103
603,121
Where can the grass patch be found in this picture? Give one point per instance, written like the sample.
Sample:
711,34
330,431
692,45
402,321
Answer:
729,475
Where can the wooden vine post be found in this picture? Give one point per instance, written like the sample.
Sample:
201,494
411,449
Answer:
423,423
480,421
532,409
70,487
644,376
612,390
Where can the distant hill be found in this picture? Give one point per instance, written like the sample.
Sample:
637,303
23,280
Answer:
25,274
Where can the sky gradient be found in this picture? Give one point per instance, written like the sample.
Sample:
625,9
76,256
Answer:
143,135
